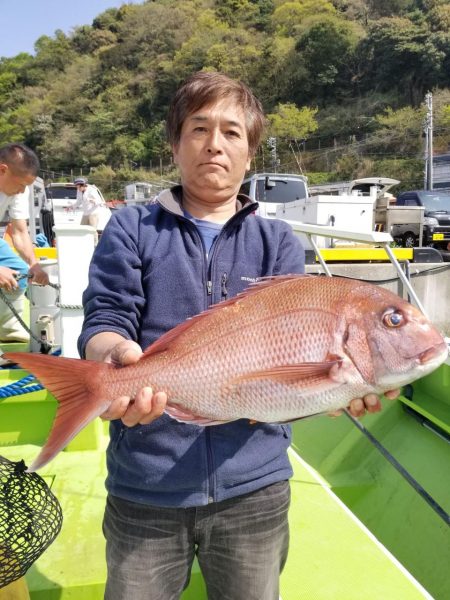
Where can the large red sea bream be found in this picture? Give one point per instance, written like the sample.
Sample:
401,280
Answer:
287,348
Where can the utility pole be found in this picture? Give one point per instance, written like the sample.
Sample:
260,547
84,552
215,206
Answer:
272,145
428,184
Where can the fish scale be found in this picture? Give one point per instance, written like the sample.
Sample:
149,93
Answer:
270,329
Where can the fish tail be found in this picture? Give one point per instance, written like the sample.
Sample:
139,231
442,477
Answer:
76,384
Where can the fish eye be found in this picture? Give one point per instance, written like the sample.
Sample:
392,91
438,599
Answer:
393,319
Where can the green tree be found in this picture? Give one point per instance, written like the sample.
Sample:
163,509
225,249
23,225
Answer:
439,18
388,8
291,122
400,131
53,53
325,55
288,17
402,55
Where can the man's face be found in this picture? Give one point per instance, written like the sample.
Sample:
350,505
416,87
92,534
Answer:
213,152
13,183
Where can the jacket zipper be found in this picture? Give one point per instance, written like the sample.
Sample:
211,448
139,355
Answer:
208,271
208,302
223,285
209,285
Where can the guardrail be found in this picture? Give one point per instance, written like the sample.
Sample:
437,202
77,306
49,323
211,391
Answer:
373,237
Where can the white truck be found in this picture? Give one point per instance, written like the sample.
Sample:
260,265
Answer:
361,205
272,190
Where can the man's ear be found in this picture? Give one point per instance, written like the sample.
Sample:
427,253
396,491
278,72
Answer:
3,168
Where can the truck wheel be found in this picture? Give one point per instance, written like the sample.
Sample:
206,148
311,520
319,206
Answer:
409,240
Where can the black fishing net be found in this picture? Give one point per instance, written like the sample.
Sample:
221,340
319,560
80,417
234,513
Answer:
30,519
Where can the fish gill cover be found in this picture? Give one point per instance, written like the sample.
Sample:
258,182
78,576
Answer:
30,519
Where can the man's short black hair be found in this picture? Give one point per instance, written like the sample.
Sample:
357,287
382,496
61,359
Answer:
20,159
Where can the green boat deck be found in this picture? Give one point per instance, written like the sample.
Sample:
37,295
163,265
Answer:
333,556
376,492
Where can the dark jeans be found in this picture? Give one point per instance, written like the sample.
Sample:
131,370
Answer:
241,545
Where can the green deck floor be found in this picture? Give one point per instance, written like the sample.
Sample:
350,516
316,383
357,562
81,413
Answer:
331,556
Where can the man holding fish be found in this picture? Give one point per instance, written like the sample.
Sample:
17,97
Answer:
197,463
220,493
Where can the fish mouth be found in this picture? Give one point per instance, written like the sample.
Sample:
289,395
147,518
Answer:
433,353
426,362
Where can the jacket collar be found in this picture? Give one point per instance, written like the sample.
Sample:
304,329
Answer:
170,199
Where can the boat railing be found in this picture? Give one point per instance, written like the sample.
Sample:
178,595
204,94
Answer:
372,237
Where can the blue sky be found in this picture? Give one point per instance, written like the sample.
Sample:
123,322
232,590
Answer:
22,22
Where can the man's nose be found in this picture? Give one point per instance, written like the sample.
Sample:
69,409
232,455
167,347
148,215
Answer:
214,145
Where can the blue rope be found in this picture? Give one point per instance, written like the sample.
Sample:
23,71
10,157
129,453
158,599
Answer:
23,386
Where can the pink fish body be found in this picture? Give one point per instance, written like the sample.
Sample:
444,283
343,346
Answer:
287,348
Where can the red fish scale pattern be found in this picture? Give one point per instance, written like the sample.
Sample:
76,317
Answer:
292,322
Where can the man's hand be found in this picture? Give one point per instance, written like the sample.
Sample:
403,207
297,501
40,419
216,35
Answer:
22,243
370,403
38,275
8,279
146,406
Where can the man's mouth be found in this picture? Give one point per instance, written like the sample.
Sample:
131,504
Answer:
213,164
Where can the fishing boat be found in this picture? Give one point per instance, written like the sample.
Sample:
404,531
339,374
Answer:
360,528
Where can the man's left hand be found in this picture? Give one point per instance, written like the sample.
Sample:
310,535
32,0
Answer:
38,275
370,403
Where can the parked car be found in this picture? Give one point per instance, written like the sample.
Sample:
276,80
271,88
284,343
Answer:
61,192
436,224
274,189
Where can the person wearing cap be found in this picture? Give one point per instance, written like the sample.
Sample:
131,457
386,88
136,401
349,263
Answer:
89,198
19,166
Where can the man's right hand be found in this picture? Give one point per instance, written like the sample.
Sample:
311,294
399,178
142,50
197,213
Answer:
145,407
8,279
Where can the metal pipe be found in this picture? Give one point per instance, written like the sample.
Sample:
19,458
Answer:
403,472
403,278
319,256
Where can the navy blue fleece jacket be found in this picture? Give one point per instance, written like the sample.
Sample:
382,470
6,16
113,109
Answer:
149,273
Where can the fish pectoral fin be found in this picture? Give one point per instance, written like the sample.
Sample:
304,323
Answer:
184,415
291,374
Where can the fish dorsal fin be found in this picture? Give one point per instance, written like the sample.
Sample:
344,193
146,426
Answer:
167,339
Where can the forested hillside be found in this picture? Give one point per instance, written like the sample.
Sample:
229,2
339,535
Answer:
342,82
